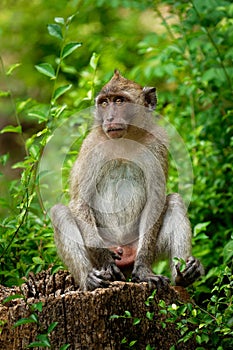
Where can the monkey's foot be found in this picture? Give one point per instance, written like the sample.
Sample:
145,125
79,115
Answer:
102,278
154,281
190,274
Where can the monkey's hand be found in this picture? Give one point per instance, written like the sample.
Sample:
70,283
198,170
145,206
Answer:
101,277
193,270
143,274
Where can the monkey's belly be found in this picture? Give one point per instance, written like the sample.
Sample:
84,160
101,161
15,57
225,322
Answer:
127,254
118,203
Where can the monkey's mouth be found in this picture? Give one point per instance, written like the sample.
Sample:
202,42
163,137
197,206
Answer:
116,130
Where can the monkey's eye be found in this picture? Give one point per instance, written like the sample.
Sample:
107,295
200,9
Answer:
104,103
119,100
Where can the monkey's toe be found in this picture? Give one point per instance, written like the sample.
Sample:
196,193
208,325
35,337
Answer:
190,274
155,281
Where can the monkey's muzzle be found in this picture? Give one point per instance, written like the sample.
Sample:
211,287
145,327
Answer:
114,131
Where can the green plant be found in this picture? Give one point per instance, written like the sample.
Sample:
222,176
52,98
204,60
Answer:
211,327
42,338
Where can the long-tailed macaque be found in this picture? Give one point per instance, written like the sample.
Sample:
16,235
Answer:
119,219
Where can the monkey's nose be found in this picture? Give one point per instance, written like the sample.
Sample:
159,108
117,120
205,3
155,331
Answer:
119,250
110,118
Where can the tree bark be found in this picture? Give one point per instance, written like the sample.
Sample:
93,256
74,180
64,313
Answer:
84,317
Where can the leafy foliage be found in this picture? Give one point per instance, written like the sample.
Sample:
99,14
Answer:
185,48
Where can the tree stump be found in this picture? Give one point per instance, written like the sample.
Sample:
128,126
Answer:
84,318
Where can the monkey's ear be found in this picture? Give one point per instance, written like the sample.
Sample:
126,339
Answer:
150,97
116,73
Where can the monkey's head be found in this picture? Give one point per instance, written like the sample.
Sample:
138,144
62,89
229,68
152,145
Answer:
117,104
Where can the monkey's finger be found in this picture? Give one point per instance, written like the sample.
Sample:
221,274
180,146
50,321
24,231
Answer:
193,271
115,256
179,273
192,264
95,280
119,276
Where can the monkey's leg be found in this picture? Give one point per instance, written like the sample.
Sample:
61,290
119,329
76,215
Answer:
174,240
70,243
91,268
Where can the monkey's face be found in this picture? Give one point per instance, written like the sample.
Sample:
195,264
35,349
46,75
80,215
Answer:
114,113
123,104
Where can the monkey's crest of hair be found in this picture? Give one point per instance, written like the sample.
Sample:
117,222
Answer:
119,83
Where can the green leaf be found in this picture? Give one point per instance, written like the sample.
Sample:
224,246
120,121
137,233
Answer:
12,68
65,347
20,165
228,252
61,90
24,321
41,115
11,128
94,60
70,19
37,306
51,327
148,347
202,226
124,340
181,262
114,316
37,344
60,20
34,318
4,93
162,304
55,268
55,30
136,321
127,313
38,260
4,158
46,69
132,343
69,48
150,315
13,297
44,339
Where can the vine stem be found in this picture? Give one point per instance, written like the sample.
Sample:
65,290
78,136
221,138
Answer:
165,23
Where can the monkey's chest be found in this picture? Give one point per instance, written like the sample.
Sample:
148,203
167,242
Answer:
119,200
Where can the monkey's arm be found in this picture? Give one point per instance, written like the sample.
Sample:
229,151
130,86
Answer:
81,248
175,241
